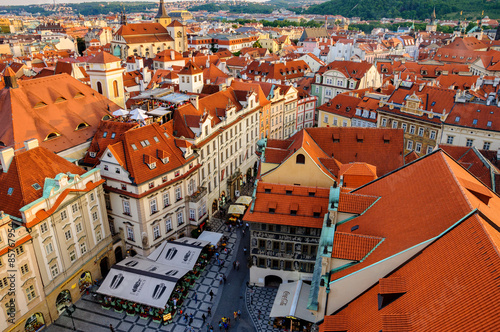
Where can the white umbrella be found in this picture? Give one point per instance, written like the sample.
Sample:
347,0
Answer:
120,112
139,116
246,200
236,209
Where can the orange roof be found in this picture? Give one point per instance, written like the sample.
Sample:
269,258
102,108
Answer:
355,203
353,247
357,174
55,104
190,69
133,159
104,57
298,199
20,178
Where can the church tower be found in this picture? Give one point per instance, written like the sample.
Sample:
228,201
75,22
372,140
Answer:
178,32
432,27
106,77
162,16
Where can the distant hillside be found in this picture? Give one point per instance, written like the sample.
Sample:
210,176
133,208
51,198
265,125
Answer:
409,9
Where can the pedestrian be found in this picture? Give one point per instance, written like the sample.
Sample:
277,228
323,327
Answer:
224,277
209,311
234,265
211,295
220,326
111,328
217,255
259,312
235,315
247,226
190,321
203,317
195,297
226,326
220,280
243,233
239,313
211,328
208,327
245,250
237,265
185,317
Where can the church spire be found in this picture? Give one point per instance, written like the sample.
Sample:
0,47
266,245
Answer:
162,12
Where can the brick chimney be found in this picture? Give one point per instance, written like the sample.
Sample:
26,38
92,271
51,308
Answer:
6,156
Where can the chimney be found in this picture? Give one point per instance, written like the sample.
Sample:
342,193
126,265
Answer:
6,156
172,55
194,101
10,79
30,144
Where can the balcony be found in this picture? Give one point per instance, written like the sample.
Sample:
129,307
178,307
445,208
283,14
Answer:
198,194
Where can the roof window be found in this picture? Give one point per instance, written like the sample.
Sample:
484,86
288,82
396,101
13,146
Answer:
40,104
156,139
488,124
113,135
145,143
81,126
474,122
457,119
51,136
105,134
134,147
10,191
36,186
353,228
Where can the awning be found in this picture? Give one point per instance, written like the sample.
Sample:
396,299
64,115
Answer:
291,300
176,254
246,200
141,280
160,111
211,237
236,209
194,242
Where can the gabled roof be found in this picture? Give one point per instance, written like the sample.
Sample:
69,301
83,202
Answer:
109,132
190,69
139,29
353,247
133,159
56,105
350,69
455,278
299,200
27,169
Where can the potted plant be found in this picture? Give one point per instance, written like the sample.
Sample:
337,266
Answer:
143,316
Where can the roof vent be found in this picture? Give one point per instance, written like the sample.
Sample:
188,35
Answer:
353,228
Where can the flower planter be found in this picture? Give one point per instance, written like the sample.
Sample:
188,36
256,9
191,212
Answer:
145,317
130,313
105,307
119,310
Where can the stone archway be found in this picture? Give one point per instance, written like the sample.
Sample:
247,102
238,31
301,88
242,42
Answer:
63,300
118,254
104,265
273,281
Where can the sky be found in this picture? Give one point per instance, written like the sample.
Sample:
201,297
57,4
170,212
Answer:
38,2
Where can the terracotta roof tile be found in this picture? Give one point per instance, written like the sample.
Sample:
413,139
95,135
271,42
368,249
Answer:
353,246
355,203
392,285
103,57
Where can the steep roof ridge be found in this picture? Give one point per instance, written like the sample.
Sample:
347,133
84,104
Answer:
460,186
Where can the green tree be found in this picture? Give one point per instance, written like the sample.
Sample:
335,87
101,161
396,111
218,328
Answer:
257,44
80,43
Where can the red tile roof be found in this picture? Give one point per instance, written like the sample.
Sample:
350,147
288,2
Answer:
350,69
353,247
299,199
53,104
355,203
466,114
190,69
103,57
133,160
357,174
21,177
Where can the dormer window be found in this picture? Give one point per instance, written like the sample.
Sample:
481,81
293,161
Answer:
82,125
152,165
113,135
52,135
105,134
92,154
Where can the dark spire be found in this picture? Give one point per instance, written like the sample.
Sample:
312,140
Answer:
162,12
10,79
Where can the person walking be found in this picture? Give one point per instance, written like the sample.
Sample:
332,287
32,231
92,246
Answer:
235,315
239,313
237,265
111,328
195,297
243,233
220,326
234,265
211,295
245,250
190,321
203,317
209,311
224,277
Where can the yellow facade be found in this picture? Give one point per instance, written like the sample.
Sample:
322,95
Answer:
326,119
270,44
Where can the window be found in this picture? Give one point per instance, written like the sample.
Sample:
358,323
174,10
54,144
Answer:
98,235
95,216
19,250
83,247
394,124
126,208
124,186
91,197
72,256
180,219
449,140
106,168
384,122
300,159
43,228
153,206
326,119
488,124
432,135
418,147
24,269
48,248
178,194
412,129
409,145
164,179
166,200
64,215
115,88
30,293
130,234
486,145
79,227
168,225
429,149
421,132
54,271
67,234
156,232
99,87
474,122
4,282
74,208
469,142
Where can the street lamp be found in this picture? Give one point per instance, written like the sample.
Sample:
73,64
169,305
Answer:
70,310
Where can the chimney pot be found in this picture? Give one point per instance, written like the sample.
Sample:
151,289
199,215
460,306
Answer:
6,156
31,144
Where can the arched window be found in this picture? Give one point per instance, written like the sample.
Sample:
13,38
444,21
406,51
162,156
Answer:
51,136
179,34
82,125
300,159
115,88
99,87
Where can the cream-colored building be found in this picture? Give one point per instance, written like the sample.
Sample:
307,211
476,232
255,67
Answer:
154,192
271,44
106,77
68,240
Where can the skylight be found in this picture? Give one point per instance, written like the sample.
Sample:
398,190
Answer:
36,186
457,119
9,192
134,147
105,134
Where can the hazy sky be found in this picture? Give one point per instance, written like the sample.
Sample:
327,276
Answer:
30,2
